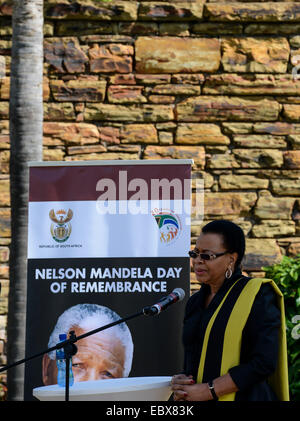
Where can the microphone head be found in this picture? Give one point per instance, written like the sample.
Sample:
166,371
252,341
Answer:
180,293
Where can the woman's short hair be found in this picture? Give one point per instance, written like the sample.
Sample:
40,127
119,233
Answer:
233,236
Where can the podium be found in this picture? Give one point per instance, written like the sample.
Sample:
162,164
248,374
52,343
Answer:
124,389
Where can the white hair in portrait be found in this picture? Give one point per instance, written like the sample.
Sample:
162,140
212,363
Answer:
90,317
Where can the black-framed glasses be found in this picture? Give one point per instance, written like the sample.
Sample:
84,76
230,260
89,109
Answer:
205,256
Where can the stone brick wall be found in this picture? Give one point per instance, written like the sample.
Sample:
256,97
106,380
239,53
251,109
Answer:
214,81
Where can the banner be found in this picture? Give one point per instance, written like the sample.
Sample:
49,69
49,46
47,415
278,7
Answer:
106,239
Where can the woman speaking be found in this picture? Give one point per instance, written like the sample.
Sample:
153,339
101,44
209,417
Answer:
234,327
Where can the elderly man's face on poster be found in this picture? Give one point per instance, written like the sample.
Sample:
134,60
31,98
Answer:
99,356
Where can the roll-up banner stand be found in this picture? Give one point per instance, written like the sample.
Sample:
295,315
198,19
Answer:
106,239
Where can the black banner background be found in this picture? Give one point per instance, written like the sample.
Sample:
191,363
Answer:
157,339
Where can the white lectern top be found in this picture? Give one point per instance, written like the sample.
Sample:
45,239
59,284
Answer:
124,389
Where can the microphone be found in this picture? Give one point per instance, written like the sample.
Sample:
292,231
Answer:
176,295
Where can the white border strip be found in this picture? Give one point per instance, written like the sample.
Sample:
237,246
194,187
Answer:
112,162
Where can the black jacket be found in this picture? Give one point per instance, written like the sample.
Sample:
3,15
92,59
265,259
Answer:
259,349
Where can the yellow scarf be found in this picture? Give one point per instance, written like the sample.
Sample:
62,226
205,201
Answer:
233,338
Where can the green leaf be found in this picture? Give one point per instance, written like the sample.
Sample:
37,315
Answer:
286,275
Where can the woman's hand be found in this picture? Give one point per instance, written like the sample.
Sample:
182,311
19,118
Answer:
185,389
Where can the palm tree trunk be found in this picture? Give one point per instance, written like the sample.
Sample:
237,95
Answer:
26,119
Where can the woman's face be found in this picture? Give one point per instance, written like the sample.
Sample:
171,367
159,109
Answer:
212,271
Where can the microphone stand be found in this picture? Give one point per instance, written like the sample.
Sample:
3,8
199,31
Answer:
70,348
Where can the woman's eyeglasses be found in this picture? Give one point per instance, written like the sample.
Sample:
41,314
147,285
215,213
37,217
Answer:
205,256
